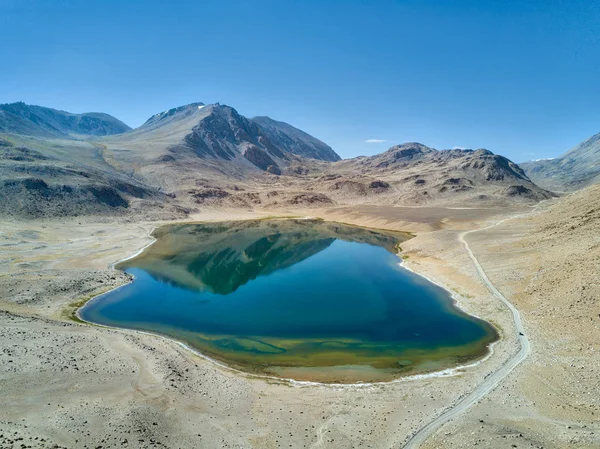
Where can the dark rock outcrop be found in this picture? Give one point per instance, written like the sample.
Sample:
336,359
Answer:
260,159
308,199
34,197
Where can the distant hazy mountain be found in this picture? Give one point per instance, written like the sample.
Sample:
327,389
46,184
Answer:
20,118
295,140
577,168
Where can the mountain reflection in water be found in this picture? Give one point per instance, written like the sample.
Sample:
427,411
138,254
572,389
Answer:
220,259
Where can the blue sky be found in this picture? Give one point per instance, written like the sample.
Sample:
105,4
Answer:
521,78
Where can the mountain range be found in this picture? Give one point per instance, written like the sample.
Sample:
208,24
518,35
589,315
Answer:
201,156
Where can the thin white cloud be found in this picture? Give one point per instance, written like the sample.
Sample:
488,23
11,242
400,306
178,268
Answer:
375,140
459,148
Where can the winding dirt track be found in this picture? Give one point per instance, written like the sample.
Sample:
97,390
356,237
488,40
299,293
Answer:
494,379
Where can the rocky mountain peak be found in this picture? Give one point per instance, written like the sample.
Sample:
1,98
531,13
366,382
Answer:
177,113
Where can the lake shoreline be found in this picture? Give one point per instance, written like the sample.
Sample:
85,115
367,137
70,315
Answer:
451,370
127,371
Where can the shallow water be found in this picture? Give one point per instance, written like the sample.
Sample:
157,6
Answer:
304,299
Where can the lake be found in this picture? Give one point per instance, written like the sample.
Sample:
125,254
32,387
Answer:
301,299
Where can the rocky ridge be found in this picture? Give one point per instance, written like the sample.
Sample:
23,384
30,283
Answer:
20,118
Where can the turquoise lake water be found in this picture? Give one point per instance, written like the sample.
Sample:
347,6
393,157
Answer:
294,298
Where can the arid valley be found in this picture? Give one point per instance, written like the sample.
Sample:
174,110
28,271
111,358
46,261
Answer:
69,384
404,253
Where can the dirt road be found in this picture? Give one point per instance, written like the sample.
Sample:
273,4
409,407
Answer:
491,381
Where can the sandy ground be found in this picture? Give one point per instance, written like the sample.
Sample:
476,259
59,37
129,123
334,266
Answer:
548,264
72,385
